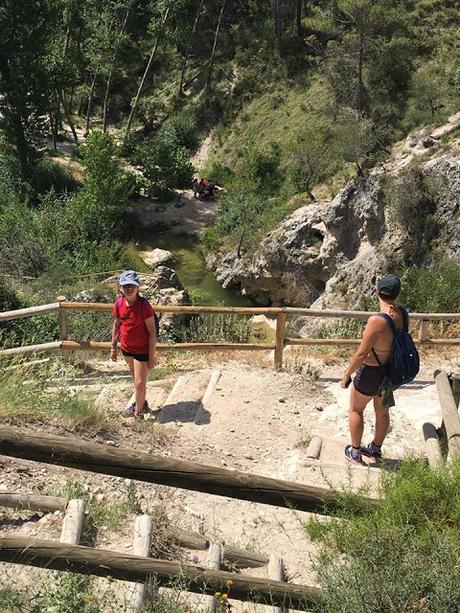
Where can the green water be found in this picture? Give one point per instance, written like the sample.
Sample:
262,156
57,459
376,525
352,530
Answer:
191,268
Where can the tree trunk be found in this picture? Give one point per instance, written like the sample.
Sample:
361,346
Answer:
214,46
240,243
109,78
53,126
144,76
67,115
298,18
277,19
90,103
187,52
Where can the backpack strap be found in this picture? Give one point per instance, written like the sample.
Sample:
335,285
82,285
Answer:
391,323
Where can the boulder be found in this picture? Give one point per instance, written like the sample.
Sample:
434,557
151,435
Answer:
156,257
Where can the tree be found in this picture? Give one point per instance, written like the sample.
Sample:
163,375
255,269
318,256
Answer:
24,86
97,209
369,63
356,137
308,159
239,213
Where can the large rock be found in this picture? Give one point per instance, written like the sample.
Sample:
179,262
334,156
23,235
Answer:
329,254
156,257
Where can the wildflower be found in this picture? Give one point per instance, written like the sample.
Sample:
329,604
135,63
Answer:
229,583
217,594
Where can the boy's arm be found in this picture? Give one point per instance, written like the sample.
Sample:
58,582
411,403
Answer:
150,324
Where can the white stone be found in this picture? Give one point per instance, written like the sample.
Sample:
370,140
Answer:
156,257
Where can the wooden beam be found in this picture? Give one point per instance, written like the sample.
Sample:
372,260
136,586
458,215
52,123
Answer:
232,555
73,522
32,502
450,414
125,567
43,348
43,309
93,457
141,547
276,572
455,381
432,448
314,447
101,306
105,346
357,341
279,341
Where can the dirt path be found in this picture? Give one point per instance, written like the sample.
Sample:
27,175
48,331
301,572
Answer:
256,421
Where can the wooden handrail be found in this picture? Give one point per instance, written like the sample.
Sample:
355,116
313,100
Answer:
83,455
43,309
126,567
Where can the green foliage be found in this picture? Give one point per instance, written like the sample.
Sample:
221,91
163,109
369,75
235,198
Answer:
431,290
49,175
400,556
309,159
412,199
38,401
95,213
218,328
259,170
356,137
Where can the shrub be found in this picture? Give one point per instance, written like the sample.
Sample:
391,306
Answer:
412,199
400,556
435,289
47,175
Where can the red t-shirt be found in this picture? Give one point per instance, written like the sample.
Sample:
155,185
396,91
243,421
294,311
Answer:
134,334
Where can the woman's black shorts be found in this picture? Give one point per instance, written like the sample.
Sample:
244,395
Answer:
369,378
140,357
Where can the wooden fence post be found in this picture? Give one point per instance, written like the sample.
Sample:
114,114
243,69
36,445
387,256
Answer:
279,342
450,414
422,333
63,332
455,382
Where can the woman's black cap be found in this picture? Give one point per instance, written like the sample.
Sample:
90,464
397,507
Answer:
389,286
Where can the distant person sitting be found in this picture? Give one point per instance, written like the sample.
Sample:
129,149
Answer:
196,188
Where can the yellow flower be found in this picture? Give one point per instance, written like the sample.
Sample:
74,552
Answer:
217,594
224,597
229,583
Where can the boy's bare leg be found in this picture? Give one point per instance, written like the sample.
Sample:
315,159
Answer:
140,384
382,421
358,403
130,361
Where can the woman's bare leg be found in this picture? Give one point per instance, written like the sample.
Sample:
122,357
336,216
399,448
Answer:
382,421
358,403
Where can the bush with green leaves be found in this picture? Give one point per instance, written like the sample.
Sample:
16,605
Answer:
412,199
432,290
95,213
400,556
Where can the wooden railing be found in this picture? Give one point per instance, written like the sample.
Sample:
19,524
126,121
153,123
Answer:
62,307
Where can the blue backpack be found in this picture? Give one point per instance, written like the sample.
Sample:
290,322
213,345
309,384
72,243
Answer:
404,361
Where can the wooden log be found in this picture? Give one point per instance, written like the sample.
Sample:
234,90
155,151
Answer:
356,341
125,567
93,457
328,313
455,381
233,555
100,306
279,340
32,502
276,572
432,448
63,330
73,522
43,348
29,311
105,346
141,547
314,447
214,561
422,333
450,414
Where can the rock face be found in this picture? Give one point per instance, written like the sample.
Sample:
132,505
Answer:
329,254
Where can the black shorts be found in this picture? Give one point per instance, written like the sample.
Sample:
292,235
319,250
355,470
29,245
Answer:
369,378
140,357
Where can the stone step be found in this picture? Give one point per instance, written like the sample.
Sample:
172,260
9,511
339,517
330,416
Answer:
184,402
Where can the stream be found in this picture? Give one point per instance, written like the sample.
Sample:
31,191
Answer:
190,267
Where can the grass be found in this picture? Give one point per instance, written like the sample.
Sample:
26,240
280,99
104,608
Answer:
32,400
401,556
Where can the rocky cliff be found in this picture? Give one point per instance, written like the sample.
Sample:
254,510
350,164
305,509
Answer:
329,253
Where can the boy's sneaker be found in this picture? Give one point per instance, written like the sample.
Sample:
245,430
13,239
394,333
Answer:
353,455
371,450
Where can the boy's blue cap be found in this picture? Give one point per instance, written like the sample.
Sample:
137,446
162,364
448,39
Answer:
129,277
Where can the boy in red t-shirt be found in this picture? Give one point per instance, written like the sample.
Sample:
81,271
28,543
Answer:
134,325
